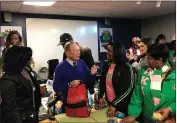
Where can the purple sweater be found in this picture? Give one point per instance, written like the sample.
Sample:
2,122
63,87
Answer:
66,73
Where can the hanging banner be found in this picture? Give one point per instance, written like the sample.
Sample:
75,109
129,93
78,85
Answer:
105,36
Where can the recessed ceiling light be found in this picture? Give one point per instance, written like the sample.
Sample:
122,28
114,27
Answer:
39,3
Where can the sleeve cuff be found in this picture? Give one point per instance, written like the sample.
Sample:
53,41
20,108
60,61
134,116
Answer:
134,111
113,105
172,107
133,115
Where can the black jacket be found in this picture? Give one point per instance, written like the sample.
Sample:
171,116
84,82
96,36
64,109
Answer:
17,97
85,55
123,81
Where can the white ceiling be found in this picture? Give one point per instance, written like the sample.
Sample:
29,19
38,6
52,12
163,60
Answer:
115,9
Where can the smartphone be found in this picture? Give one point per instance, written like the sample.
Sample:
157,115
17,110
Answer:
127,51
131,50
138,52
120,115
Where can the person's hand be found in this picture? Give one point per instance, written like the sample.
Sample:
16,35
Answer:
59,104
135,57
165,112
43,90
93,70
111,111
129,56
100,103
53,94
129,119
75,83
171,120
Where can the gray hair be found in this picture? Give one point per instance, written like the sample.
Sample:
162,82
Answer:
68,45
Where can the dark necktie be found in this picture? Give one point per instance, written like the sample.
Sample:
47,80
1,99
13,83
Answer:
74,64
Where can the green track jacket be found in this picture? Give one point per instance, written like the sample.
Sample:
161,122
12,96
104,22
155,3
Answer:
141,99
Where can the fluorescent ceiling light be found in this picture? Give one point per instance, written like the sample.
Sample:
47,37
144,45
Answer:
39,3
158,3
138,2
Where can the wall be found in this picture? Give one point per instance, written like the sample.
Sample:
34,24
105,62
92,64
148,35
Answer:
123,29
165,24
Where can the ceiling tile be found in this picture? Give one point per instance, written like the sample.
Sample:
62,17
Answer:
32,9
55,10
66,4
12,0
85,0
75,12
99,8
10,6
92,6
83,12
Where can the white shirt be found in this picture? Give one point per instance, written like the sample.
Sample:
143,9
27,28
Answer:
71,62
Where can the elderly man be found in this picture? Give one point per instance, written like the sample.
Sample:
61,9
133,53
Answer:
85,52
72,71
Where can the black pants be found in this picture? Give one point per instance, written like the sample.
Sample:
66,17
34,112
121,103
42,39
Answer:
63,108
35,119
30,121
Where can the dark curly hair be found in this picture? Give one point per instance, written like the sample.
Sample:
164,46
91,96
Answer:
159,51
119,53
8,39
160,37
148,41
16,58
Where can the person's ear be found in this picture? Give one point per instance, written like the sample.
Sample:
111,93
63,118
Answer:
67,53
160,61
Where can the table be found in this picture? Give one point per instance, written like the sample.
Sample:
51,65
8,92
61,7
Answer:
101,116
62,118
48,121
95,117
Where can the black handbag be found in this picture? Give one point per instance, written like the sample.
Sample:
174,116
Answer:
51,105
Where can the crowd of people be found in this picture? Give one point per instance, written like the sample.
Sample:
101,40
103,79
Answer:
139,82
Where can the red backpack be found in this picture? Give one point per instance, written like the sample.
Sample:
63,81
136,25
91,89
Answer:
77,102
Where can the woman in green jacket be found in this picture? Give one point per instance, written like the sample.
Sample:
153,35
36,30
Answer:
155,91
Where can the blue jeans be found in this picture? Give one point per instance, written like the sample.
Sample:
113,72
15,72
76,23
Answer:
90,101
